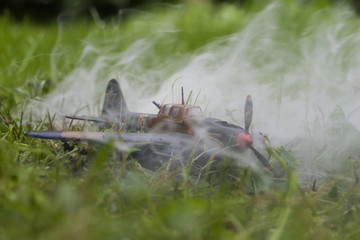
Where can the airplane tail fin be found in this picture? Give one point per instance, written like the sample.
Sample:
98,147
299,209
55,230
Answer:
114,107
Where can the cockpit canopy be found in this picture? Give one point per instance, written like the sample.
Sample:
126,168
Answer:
180,112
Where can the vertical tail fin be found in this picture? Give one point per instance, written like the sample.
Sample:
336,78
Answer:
114,107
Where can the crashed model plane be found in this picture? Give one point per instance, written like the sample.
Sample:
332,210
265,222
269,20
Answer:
176,130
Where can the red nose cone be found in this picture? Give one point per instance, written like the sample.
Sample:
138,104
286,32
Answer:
243,139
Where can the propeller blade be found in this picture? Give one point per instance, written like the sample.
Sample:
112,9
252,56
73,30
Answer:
248,113
261,158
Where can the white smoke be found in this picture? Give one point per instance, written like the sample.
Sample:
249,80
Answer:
296,79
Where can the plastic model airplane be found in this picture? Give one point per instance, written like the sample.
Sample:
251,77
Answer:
176,130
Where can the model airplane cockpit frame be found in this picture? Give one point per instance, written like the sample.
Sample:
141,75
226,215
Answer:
175,129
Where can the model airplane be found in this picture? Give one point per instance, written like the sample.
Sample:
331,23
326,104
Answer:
176,128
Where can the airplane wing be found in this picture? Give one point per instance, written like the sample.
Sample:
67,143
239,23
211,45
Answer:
152,149
175,141
68,136
90,119
171,138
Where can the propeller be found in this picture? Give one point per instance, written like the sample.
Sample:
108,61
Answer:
248,113
261,158
244,139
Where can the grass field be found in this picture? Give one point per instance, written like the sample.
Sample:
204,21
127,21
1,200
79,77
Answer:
49,193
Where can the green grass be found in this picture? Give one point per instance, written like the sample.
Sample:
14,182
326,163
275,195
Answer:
49,193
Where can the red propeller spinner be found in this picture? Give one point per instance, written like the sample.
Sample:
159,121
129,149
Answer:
243,140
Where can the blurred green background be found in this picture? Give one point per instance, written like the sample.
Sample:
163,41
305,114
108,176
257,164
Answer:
48,192
40,10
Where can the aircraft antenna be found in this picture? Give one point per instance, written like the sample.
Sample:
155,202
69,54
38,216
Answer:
182,96
156,104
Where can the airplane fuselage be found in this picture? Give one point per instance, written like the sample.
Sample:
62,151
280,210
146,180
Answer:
224,132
